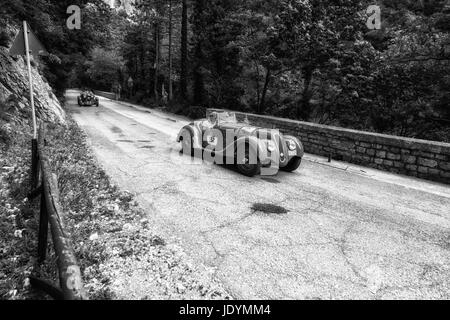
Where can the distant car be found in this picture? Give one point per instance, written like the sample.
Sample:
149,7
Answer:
88,99
260,144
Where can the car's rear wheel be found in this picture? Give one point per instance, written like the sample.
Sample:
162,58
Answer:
293,165
187,143
245,167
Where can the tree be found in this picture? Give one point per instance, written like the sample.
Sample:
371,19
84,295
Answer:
170,50
199,26
307,34
184,51
103,68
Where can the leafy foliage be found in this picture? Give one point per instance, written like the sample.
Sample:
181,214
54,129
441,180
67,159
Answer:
67,47
308,60
315,61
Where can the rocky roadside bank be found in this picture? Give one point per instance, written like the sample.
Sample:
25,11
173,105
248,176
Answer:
14,92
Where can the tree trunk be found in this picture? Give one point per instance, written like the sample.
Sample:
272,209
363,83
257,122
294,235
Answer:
304,110
264,92
184,51
170,50
142,66
157,49
199,85
258,87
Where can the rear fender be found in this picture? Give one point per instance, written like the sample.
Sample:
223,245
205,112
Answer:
195,134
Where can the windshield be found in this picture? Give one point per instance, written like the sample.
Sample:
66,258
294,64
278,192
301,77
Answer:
227,117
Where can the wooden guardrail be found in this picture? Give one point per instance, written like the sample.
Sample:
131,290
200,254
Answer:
45,185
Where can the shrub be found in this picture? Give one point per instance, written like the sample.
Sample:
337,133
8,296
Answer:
4,39
195,112
3,111
5,138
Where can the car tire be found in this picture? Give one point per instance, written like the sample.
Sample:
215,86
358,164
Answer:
187,149
293,165
249,170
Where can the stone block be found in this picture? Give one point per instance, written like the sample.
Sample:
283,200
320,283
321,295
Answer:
381,154
427,163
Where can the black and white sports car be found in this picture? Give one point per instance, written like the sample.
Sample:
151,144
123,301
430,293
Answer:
222,138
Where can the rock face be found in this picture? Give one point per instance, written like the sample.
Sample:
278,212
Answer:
14,90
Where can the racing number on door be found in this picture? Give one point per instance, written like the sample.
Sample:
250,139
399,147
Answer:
210,139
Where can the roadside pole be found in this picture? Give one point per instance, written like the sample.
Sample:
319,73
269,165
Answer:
34,143
30,78
27,44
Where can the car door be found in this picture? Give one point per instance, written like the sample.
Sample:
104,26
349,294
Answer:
211,138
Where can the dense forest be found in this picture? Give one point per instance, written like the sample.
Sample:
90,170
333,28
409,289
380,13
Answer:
310,60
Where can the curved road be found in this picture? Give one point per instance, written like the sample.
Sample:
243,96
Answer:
349,233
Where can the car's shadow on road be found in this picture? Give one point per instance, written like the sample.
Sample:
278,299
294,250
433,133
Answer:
273,179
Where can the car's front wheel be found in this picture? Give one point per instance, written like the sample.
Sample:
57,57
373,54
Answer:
247,168
293,165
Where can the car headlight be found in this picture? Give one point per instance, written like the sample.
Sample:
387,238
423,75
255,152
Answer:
271,147
291,145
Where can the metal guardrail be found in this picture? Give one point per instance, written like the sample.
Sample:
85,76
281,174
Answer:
45,185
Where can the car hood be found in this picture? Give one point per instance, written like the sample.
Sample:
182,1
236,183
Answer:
244,129
240,128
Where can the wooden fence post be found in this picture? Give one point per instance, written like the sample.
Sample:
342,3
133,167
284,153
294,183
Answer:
68,269
51,216
34,163
43,230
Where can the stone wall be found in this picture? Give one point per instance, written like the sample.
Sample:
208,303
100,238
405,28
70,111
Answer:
104,94
419,158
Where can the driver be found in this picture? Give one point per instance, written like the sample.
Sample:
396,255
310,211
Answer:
211,122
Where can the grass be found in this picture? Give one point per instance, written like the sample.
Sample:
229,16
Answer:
92,203
18,218
5,135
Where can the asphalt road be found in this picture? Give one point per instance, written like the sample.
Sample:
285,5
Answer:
350,232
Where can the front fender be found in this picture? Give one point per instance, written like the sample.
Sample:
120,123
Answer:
253,142
300,148
256,145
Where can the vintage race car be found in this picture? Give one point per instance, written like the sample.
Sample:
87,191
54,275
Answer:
88,99
224,139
